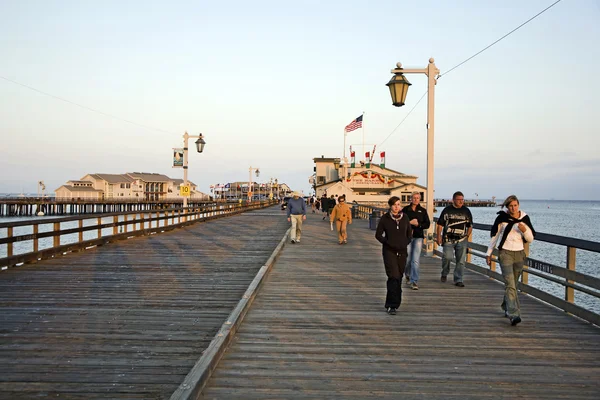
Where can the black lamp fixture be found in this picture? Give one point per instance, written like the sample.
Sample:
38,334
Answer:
200,144
398,89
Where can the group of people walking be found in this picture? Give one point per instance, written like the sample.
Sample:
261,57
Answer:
401,232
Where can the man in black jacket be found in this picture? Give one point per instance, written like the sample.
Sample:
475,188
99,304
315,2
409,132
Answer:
419,220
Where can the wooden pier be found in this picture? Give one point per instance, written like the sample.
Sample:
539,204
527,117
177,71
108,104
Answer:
142,318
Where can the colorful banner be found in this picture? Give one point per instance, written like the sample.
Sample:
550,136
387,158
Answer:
352,159
368,159
177,158
382,155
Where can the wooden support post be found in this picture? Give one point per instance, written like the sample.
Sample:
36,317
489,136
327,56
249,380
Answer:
115,227
80,230
35,238
469,240
56,234
525,276
99,229
125,218
571,257
9,246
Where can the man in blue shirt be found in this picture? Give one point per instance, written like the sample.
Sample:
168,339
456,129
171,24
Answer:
296,213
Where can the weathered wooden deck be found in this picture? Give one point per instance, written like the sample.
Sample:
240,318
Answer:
318,329
130,319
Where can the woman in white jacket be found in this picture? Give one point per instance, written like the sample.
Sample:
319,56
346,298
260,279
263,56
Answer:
512,228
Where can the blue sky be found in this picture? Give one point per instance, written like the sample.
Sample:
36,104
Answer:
271,84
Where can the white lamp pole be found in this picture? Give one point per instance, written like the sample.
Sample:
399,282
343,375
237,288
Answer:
250,186
398,88
200,148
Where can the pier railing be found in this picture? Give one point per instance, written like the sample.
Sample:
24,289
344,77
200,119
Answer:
32,240
568,277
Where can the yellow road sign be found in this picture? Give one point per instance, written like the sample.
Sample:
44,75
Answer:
184,190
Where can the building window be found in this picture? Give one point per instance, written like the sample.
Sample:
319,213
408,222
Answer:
320,180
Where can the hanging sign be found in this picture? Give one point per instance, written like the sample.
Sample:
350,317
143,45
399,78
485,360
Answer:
177,158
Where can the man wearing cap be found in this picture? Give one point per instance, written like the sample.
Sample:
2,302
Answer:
296,213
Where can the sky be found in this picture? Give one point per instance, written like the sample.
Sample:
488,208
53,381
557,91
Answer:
111,87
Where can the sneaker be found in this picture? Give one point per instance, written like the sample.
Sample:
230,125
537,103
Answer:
293,241
460,284
345,242
414,286
297,240
443,279
505,314
341,243
514,321
391,311
407,278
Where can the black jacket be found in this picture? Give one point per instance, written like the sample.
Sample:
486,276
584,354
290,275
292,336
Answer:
421,215
397,235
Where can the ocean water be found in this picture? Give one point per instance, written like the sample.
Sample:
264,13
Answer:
576,219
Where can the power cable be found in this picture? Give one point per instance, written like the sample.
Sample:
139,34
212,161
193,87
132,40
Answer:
514,30
411,110
84,107
470,58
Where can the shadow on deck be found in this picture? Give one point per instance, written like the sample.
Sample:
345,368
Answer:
318,329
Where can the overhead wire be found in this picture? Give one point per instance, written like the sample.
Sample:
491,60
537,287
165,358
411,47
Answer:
84,107
470,58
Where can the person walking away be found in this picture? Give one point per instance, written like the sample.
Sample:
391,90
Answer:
296,213
324,205
312,203
419,221
511,230
342,216
394,232
454,226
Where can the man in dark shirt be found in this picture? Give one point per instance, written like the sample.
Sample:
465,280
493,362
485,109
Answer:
454,226
419,221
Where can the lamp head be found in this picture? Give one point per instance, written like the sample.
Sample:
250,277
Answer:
398,89
200,144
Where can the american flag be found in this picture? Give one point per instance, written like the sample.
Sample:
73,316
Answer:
357,123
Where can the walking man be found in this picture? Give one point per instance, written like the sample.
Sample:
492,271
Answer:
454,226
296,213
419,221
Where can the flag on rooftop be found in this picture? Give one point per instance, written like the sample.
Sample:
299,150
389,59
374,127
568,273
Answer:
357,123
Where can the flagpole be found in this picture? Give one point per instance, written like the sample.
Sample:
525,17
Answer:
363,132
345,133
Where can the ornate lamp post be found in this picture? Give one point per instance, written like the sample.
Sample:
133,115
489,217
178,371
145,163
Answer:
199,148
398,86
250,186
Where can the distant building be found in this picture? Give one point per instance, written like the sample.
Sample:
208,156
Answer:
364,183
131,185
239,190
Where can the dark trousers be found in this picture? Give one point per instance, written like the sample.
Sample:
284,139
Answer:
394,263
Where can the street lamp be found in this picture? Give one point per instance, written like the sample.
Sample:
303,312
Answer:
199,148
250,186
398,86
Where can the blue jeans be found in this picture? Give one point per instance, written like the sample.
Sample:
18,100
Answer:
458,249
412,261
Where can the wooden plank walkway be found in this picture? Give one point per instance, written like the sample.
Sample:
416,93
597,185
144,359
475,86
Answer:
130,319
317,329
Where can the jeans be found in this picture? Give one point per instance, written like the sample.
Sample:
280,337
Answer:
459,250
511,263
412,261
